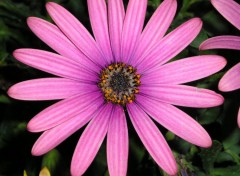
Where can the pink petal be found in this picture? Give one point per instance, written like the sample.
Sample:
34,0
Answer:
238,118
98,18
229,9
152,139
63,111
222,42
185,70
53,37
75,31
48,89
132,27
170,46
116,15
155,28
176,121
90,141
117,143
231,80
54,64
53,137
183,95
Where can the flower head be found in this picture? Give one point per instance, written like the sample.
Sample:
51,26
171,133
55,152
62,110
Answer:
122,69
231,11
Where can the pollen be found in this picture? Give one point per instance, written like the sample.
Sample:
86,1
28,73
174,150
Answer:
119,83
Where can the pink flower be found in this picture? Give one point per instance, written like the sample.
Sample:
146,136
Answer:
231,11
122,70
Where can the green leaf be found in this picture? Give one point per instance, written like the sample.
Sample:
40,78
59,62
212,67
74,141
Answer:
185,165
10,129
226,171
210,81
232,139
170,136
51,159
17,10
193,150
4,99
137,150
234,155
224,157
215,22
208,116
210,155
154,3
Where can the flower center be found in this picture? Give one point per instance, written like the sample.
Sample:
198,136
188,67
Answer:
119,83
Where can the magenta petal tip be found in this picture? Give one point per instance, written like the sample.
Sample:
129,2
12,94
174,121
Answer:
206,142
50,5
202,46
32,20
229,9
30,127
220,100
238,118
36,151
10,92
29,19
197,20
17,53
230,81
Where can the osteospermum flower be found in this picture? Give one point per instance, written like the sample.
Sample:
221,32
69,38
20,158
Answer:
231,11
122,69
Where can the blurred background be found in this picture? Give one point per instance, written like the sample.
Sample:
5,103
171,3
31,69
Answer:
16,142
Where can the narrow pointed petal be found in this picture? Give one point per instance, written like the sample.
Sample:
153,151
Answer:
238,118
48,89
53,37
54,64
176,121
63,111
98,18
53,137
117,143
231,80
90,141
76,32
156,27
132,27
229,9
183,95
185,70
152,139
170,45
221,42
116,16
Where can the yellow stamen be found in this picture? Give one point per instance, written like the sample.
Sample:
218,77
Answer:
119,83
